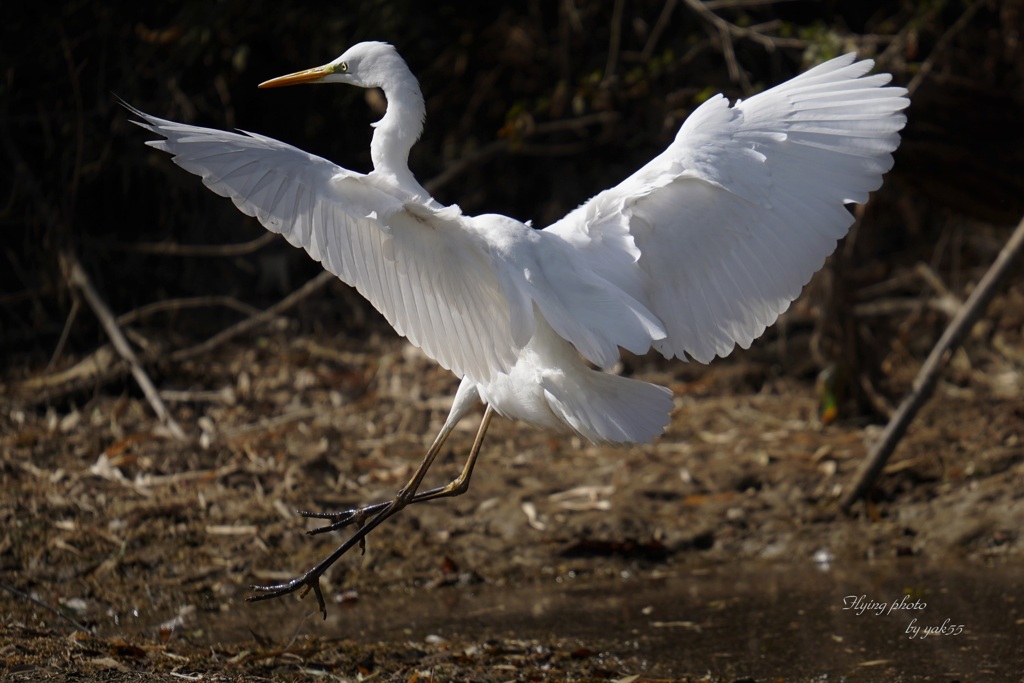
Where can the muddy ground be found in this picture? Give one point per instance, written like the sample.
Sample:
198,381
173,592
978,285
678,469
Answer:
127,554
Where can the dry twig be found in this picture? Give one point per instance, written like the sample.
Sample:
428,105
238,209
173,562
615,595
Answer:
479,157
924,383
186,303
659,27
734,4
102,366
217,250
284,304
928,64
615,41
728,31
493,149
22,594
893,55
78,279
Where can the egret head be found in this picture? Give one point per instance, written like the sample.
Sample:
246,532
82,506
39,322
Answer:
366,65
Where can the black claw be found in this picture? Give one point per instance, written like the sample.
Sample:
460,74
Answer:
322,515
268,592
340,520
320,599
365,518
322,529
303,584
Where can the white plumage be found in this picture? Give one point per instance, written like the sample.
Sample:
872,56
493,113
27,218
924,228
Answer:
698,251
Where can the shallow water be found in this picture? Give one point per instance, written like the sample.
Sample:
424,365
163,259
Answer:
811,621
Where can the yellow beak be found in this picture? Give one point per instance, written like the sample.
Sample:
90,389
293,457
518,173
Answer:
308,76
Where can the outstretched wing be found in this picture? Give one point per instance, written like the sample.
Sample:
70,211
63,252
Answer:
414,260
731,220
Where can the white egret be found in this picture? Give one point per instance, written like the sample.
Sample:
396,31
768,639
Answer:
697,252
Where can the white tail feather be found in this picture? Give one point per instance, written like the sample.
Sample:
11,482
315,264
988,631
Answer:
603,407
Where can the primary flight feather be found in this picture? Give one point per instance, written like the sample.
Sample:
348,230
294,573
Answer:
698,251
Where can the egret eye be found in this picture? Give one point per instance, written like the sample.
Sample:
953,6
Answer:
343,67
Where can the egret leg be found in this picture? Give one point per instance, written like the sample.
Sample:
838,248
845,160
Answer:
456,487
460,484
377,514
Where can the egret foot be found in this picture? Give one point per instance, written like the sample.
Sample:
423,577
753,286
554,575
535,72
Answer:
311,579
370,517
358,516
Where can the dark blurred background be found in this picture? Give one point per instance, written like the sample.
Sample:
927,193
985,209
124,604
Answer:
533,107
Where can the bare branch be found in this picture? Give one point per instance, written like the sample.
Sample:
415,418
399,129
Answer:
941,45
728,30
216,340
489,151
924,383
103,366
481,156
183,304
659,27
616,39
76,304
60,613
737,4
175,249
78,279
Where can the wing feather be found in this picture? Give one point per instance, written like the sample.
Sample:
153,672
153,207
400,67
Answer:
418,263
744,206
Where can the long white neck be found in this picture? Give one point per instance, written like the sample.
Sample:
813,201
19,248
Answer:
401,126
